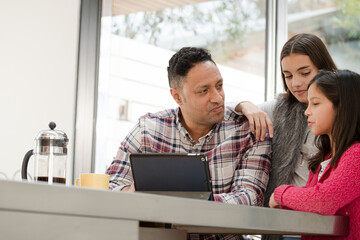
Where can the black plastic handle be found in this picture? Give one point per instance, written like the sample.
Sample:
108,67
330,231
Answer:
25,164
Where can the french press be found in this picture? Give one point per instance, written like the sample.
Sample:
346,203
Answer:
50,155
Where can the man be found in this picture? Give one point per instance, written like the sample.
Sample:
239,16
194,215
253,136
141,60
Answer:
239,166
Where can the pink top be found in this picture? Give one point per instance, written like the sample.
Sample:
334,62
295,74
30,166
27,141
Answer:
336,193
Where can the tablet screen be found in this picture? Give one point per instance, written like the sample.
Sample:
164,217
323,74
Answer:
170,172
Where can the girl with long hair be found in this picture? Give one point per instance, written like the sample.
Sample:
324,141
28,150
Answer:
333,186
302,56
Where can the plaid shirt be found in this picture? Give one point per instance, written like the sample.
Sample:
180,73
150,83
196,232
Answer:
239,166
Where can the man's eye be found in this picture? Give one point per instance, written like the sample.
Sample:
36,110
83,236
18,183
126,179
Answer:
203,91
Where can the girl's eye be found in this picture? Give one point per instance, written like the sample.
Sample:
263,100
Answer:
287,76
305,74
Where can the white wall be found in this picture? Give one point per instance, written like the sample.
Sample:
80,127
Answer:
38,68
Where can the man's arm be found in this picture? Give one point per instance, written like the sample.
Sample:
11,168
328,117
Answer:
119,170
251,176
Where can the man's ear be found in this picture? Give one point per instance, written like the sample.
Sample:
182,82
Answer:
175,93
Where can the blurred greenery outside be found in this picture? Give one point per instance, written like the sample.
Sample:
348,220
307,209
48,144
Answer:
229,28
219,26
347,27
234,32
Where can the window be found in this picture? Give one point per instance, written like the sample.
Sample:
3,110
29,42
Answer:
137,41
336,22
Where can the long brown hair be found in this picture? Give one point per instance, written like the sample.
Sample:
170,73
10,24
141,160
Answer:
342,88
312,46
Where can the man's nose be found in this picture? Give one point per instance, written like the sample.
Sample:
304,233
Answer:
216,96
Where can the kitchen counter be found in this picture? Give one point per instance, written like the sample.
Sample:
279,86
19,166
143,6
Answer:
40,211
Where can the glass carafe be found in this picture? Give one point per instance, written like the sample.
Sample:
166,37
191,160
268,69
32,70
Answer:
50,154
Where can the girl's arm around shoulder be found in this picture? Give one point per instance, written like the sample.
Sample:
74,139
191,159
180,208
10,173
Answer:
259,116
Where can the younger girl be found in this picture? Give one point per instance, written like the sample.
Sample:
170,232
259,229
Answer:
333,187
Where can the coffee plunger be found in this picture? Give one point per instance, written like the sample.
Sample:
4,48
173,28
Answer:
50,155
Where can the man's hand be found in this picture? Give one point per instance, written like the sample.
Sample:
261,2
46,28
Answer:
259,121
130,188
273,203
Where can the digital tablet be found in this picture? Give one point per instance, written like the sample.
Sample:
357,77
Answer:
175,174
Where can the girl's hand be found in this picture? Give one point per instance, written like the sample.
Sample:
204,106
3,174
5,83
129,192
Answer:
259,121
273,203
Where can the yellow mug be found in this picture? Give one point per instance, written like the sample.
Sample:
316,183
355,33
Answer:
93,180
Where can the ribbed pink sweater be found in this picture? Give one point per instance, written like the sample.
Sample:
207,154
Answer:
336,193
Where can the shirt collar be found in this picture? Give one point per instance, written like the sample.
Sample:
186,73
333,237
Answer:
186,134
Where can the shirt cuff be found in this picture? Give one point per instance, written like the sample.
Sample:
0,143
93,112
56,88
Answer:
278,193
217,198
118,188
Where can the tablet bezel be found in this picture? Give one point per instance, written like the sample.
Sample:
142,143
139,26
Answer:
176,174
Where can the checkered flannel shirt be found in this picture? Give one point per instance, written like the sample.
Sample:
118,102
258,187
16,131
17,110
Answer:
239,166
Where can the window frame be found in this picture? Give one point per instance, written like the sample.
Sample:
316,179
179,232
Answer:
88,71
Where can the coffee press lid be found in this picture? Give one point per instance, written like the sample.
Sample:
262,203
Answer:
52,137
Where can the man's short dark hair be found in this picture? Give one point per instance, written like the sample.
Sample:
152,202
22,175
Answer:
183,60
